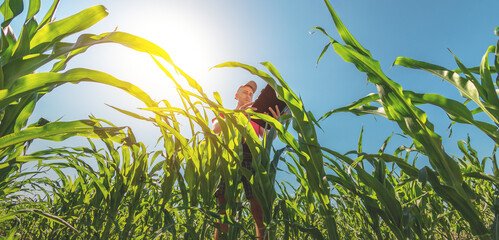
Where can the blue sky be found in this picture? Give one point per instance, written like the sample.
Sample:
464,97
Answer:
201,34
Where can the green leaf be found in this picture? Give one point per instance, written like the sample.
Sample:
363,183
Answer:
125,39
476,70
359,142
217,97
131,114
22,46
10,9
56,31
383,194
485,74
48,216
481,175
423,176
344,33
465,87
28,64
470,77
16,115
463,205
407,168
8,40
496,65
323,52
50,14
360,107
22,66
34,7
34,82
48,131
411,120
455,110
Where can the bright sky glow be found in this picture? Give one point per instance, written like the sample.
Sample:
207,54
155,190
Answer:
200,34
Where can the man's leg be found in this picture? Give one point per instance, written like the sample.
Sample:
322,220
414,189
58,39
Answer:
223,227
257,212
256,208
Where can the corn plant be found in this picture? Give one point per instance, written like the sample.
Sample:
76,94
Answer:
306,147
205,157
39,44
123,191
119,199
399,106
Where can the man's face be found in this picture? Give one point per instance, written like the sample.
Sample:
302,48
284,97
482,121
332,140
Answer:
244,95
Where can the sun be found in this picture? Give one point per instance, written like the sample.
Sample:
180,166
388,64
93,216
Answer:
189,41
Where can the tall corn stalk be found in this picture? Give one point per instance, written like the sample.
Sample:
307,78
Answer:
39,44
399,106
119,199
306,147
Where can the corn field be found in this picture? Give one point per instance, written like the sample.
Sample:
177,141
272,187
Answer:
114,187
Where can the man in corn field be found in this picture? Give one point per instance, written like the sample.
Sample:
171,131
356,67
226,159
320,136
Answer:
244,97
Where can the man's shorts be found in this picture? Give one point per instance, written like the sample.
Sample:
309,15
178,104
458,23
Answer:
247,159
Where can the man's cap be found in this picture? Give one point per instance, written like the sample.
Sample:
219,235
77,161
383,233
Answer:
251,84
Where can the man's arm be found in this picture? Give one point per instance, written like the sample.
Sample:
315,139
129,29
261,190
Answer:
276,114
216,127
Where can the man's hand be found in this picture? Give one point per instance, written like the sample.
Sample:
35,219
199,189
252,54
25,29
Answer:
246,106
276,114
